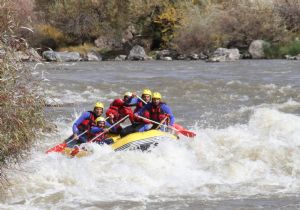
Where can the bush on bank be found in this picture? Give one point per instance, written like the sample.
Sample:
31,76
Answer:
188,26
21,107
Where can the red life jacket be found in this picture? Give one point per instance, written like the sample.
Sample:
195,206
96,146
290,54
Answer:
138,107
156,113
101,137
88,123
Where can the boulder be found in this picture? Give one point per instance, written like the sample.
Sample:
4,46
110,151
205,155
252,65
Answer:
289,57
194,56
167,58
92,56
121,58
182,57
256,49
224,54
61,56
137,53
166,53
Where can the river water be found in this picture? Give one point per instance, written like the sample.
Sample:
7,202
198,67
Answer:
246,154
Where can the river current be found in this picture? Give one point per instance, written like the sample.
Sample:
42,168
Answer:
246,154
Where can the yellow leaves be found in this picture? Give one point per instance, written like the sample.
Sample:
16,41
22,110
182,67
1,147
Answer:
50,31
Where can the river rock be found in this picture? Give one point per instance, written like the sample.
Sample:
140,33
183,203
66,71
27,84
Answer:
167,58
194,56
289,57
61,56
256,49
92,56
137,53
121,58
224,54
166,53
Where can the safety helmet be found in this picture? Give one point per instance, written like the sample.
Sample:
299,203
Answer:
100,119
156,95
128,94
99,105
147,92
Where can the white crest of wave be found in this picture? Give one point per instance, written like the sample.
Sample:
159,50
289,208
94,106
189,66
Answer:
261,157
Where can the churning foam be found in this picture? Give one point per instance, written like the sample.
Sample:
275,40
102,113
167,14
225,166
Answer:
260,157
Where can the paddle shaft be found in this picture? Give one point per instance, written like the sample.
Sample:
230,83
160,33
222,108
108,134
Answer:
109,128
77,136
157,123
141,99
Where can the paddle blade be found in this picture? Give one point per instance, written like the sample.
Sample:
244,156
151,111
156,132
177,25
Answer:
184,131
57,148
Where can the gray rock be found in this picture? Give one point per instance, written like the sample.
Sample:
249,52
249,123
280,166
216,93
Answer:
256,49
194,56
224,54
167,58
121,58
289,57
137,53
92,56
182,57
61,56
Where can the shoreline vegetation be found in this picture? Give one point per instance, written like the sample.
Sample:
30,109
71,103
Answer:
21,107
162,29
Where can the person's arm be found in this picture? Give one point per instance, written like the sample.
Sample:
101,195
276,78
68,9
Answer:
132,102
96,129
84,116
143,109
166,109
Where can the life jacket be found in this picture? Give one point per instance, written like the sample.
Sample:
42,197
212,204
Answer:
156,113
113,110
101,137
123,111
138,107
88,123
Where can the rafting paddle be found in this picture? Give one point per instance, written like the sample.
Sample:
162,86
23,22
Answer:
62,146
178,128
93,139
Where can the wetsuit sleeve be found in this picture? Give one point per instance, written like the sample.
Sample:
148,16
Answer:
83,117
166,109
143,109
131,102
96,129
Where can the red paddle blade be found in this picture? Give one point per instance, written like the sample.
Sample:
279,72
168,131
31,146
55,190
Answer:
57,148
184,131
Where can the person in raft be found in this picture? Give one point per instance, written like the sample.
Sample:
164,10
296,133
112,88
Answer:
117,110
146,96
159,112
84,124
99,131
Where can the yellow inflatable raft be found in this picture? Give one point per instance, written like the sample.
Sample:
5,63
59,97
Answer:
139,140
